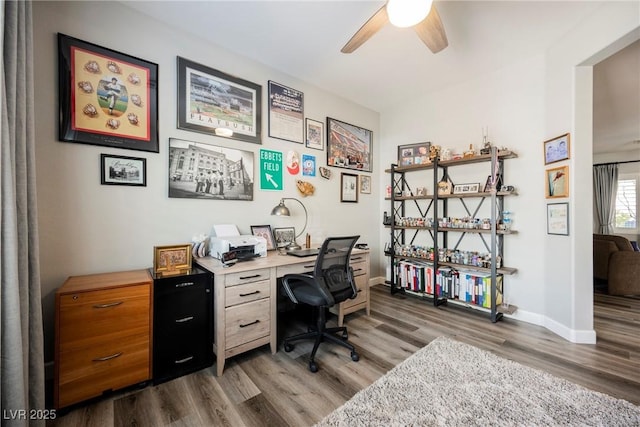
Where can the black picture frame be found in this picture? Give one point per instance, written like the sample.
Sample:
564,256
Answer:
349,187
216,103
414,154
123,170
106,97
314,134
284,236
349,146
286,113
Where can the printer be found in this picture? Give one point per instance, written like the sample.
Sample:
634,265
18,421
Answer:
224,239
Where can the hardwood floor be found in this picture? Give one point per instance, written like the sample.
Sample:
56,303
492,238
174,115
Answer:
261,389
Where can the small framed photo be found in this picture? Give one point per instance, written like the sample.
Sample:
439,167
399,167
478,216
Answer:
264,231
314,131
557,182
122,170
365,184
174,259
414,154
466,188
556,149
349,187
490,184
558,218
421,191
284,236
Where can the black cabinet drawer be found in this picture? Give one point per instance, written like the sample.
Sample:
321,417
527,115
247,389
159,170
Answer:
182,324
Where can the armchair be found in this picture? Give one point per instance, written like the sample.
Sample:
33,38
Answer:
331,283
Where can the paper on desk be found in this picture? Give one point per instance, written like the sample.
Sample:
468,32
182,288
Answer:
224,230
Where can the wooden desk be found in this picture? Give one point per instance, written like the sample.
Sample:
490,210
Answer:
245,299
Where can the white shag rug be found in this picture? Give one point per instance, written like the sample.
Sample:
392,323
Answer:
449,383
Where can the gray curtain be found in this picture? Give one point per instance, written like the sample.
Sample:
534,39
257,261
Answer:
21,344
605,187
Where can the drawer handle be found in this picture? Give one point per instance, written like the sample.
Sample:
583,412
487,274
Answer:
184,319
249,277
104,359
249,324
182,285
250,293
308,266
356,258
186,359
107,305
357,269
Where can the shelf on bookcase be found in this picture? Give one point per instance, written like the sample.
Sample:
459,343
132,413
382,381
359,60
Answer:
452,229
454,196
502,270
469,160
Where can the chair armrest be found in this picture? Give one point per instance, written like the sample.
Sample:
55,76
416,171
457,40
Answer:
291,281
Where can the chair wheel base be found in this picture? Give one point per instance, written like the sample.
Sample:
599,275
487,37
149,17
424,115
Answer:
288,347
354,356
313,367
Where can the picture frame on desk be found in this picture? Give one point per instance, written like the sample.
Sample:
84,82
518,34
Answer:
172,259
264,231
284,236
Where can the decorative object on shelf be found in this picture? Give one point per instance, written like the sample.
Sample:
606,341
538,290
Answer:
348,187
199,245
557,182
486,144
228,177
286,110
216,103
285,238
325,172
315,134
446,154
556,149
106,97
507,188
466,188
305,188
558,218
471,152
173,259
414,154
348,146
264,231
507,221
282,210
421,191
365,184
444,187
492,184
386,219
122,170
434,152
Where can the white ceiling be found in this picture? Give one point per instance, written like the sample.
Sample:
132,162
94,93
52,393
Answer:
303,39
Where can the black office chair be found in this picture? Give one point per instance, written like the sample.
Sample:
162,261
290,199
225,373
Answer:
331,283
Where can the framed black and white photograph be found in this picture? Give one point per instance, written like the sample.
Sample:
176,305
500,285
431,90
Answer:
348,187
365,184
314,131
204,171
286,113
556,149
264,231
106,97
414,154
122,170
558,218
348,146
284,236
216,103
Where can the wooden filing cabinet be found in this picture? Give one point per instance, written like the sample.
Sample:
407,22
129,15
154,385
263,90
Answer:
102,334
182,324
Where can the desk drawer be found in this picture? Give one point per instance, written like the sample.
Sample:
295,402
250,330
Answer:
234,279
359,265
247,322
241,294
362,293
303,267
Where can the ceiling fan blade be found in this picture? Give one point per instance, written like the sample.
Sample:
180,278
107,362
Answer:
431,31
372,26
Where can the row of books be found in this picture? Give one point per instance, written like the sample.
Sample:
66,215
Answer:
469,286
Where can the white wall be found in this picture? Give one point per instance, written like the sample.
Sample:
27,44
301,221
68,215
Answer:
523,105
89,228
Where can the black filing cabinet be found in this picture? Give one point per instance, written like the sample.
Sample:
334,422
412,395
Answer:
182,324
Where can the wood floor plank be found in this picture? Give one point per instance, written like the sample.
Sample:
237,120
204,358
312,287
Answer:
260,388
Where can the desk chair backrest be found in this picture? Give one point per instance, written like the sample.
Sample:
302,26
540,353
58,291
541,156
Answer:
332,266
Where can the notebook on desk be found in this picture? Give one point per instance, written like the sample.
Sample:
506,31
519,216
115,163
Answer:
304,252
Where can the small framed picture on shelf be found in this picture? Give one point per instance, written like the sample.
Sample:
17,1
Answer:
491,185
466,188
558,218
421,191
174,259
444,188
414,154
264,231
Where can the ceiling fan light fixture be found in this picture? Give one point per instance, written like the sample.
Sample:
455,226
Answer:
407,13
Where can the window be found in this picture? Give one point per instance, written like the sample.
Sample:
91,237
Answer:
626,220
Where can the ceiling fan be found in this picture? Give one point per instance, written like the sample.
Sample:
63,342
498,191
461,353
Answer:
419,14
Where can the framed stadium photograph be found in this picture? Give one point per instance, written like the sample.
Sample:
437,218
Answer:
216,103
106,97
348,146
